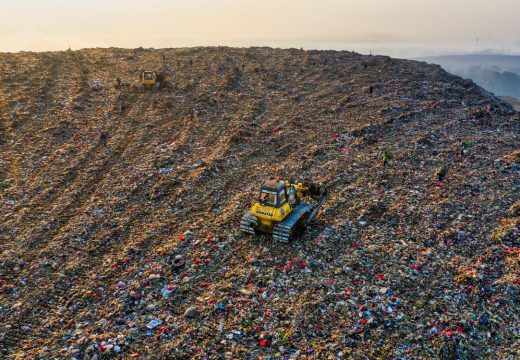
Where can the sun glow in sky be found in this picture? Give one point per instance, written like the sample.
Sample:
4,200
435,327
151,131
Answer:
394,27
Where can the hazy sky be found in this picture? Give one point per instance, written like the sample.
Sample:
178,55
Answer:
395,27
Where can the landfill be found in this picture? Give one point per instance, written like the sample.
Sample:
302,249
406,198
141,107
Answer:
120,208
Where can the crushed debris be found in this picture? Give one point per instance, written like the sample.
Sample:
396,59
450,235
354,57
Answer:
119,223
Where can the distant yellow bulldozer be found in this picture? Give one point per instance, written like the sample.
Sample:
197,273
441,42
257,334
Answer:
147,79
279,210
152,80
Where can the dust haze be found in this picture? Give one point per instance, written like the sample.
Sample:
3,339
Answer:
401,28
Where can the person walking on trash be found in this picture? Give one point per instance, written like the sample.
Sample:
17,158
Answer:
463,146
385,155
441,174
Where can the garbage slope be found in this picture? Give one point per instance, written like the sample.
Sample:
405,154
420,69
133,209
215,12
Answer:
103,187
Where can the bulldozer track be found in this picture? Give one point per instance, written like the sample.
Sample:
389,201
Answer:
284,230
248,223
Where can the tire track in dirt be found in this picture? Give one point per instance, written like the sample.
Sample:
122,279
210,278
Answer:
68,74
16,129
39,241
46,300
10,124
77,167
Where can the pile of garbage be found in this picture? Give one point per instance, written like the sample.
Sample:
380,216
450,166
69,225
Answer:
120,207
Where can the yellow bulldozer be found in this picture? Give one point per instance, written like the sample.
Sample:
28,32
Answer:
148,79
279,210
152,80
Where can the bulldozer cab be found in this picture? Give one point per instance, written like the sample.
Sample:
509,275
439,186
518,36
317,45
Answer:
148,75
148,78
273,194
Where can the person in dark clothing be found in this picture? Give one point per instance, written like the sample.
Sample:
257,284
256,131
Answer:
103,138
441,174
